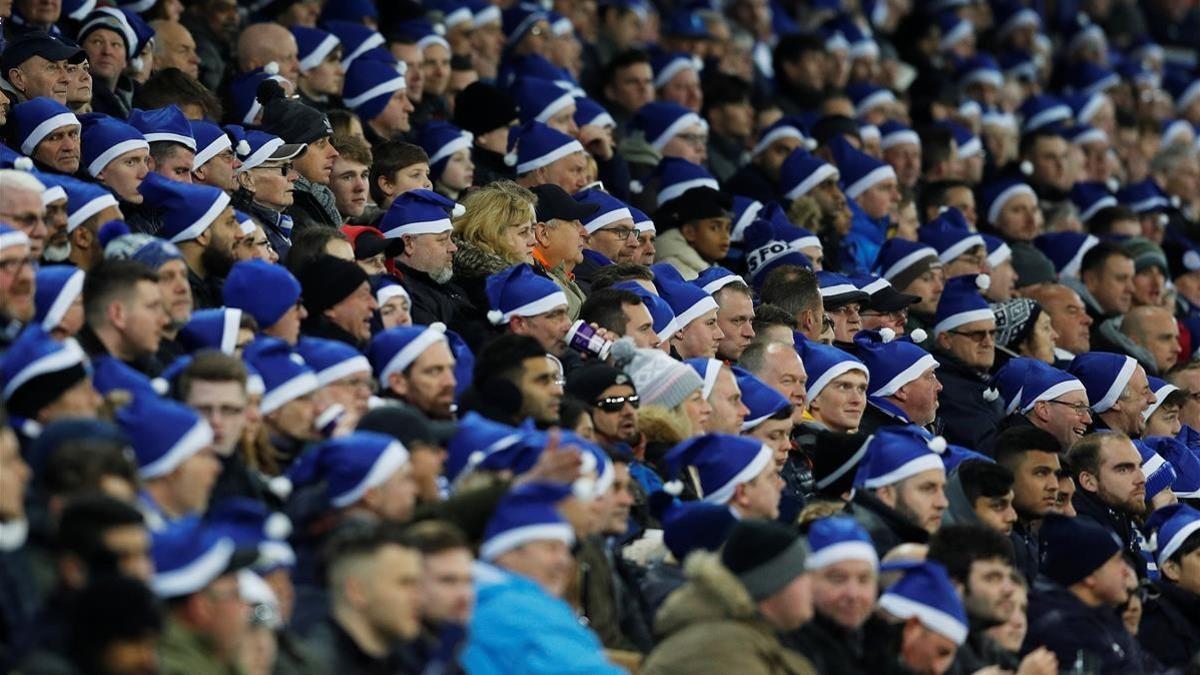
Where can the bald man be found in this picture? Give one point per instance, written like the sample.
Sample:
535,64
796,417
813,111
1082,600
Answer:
175,48
1154,330
1069,317
262,43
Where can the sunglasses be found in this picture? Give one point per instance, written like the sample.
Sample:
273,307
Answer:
614,404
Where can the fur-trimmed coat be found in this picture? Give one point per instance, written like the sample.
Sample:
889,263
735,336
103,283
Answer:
710,625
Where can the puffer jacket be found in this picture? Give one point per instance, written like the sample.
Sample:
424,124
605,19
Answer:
672,248
710,625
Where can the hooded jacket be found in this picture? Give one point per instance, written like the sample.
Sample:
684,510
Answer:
960,511
1063,624
711,625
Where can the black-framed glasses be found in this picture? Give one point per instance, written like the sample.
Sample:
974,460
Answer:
977,335
614,404
828,323
895,316
284,169
1080,409
622,233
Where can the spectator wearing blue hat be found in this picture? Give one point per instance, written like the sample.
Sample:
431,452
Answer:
934,622
215,156
59,300
377,91
172,147
545,155
321,72
414,364
48,132
1166,625
122,304
871,188
109,36
116,154
43,380
964,334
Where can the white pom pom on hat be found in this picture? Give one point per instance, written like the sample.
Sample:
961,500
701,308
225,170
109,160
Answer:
280,486
937,444
271,68
278,526
918,335
243,148
23,164
887,334
458,211
495,316
673,487
983,282
1027,167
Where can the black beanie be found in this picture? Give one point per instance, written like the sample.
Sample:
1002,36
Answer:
765,556
588,382
327,280
481,108
293,121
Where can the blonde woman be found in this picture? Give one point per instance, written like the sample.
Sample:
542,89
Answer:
495,233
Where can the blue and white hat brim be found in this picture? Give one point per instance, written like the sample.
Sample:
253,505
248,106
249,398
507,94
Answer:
675,67
217,146
199,437
672,191
549,158
818,176
1168,548
197,574
540,306
607,218
394,456
411,351
317,56
837,370
1051,393
926,462
375,40
461,142
702,307
519,536
908,261
1001,199
675,128
962,318
103,159
960,247
95,205
873,178
352,365
900,137
69,356
930,617
300,385
724,493
45,128
841,552
1159,396
63,301
388,87
774,135
909,374
1118,385
204,221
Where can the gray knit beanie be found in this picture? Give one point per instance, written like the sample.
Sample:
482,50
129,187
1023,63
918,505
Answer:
658,378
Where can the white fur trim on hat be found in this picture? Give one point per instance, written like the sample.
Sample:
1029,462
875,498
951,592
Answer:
391,86
420,227
1118,385
552,108
875,176
197,438
519,536
841,552
196,575
675,67
960,247
218,145
900,137
770,137
540,306
462,142
737,233
1052,393
1159,396
1001,199
930,617
962,318
354,364
318,54
925,462
549,158
96,205
820,175
304,383
676,190
906,376
47,127
70,355
160,136
881,97
702,307
413,350
838,369
204,221
375,40
391,291
58,309
1173,544
908,261
675,128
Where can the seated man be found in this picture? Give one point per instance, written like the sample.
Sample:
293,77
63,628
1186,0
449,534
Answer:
695,229
172,147
44,380
843,303
48,132
545,155
529,304
900,485
610,233
1117,389
124,314
730,470
36,64
1162,631
559,237
723,396
837,386
288,404
521,621
516,379
214,161
933,617
622,312
338,299
1050,400
698,334
1032,456
278,313
778,366
363,473
913,269
980,492
735,313
965,347
904,386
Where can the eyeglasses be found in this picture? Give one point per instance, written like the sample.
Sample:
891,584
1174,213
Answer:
13,266
622,233
1080,409
977,335
614,404
894,316
284,169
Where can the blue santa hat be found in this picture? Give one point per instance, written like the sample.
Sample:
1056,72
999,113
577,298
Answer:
37,368
926,593
188,556
331,359
163,124
1065,249
1143,197
252,525
1184,458
215,328
243,92
1085,106
520,291
801,172
394,350
453,13
423,32
660,121
893,361
349,465
518,67
642,222
962,302
708,369
1091,196
286,376
899,255
1040,111
105,138
893,133
539,100
589,112
350,10
788,126
980,69
824,363
313,45
1161,390
896,453
669,64
691,526
355,37
211,140
688,301
1104,375
1184,90
950,234
519,19
608,210
256,147
1009,15
484,13
996,194
1043,382
1009,381
765,251
715,278
866,96
243,290
998,252
56,289
1183,522
123,21
476,437
838,539
440,140
419,211
954,29
721,463
745,210
1090,78
1160,474
762,401
187,210
144,248
84,200
837,290
177,434
526,514
969,145
538,145
369,85
387,288
37,118
859,170
663,316
677,176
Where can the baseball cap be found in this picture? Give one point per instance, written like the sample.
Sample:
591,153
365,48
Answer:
38,43
553,203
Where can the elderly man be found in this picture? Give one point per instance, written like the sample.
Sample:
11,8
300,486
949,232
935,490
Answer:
1153,335
48,132
1070,319
779,366
35,64
16,283
1050,400
263,43
903,388
965,347
21,207
175,48
1117,389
